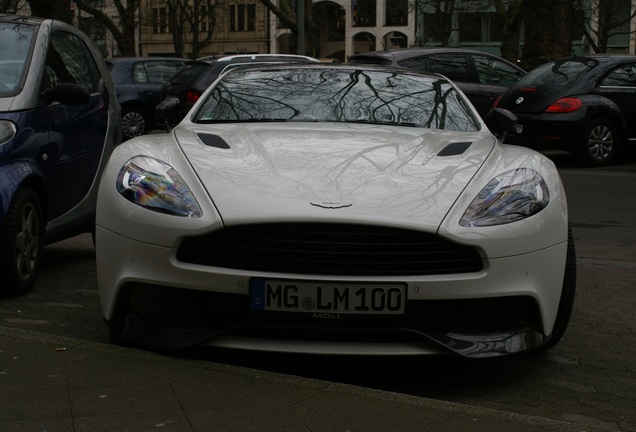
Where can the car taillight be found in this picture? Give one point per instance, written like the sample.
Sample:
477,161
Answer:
565,105
192,97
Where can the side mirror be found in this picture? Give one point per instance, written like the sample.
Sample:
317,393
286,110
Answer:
68,94
501,122
167,112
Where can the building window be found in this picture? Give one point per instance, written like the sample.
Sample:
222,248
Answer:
243,17
397,13
160,20
364,13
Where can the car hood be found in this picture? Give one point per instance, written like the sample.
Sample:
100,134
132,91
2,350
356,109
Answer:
339,171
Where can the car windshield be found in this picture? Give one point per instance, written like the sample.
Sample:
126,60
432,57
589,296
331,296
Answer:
15,46
556,74
336,95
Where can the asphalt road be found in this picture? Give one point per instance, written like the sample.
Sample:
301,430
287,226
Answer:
589,378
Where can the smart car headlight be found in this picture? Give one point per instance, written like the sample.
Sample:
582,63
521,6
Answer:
8,130
509,197
157,186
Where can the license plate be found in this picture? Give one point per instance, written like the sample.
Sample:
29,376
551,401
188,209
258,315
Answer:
327,297
519,128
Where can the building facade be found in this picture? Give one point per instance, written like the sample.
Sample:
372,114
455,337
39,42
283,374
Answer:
338,28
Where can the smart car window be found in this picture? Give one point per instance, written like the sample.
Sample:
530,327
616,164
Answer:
493,71
325,95
622,76
15,46
67,62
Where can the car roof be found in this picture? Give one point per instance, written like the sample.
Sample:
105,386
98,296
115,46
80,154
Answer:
601,57
257,57
22,19
404,53
341,66
137,59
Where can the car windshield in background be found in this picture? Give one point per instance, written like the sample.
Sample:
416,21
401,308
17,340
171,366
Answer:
556,74
15,45
336,95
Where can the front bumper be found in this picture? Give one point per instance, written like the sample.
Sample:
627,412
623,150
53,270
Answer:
150,297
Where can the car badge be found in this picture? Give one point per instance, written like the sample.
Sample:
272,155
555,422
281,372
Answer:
331,204
519,100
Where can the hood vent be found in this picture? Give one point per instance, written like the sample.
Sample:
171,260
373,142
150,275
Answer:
213,141
454,149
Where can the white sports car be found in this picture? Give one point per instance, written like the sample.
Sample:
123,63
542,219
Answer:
335,209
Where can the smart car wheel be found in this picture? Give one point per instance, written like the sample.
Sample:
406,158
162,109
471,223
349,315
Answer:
599,145
21,240
566,303
134,123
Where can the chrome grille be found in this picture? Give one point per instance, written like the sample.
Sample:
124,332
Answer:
329,249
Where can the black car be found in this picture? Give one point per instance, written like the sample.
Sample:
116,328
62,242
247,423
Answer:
585,105
138,82
185,87
481,76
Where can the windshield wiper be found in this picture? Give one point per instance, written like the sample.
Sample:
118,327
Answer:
254,120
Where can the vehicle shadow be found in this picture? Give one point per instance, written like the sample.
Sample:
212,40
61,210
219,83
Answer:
450,378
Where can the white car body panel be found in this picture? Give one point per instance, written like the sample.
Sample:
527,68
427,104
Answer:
341,173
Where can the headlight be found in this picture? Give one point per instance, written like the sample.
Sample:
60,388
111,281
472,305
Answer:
156,186
509,197
8,130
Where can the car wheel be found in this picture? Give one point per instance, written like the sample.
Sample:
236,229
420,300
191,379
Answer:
21,240
566,303
134,123
599,144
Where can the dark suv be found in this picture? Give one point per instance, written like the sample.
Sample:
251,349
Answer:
138,82
481,76
183,89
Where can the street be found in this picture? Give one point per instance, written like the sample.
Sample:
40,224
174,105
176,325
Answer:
588,379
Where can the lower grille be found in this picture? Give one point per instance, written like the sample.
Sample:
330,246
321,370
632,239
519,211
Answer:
329,249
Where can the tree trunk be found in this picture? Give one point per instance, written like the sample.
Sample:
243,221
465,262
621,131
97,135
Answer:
58,9
511,12
548,31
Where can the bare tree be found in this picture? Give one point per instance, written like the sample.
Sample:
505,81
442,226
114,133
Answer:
122,27
602,20
193,22
288,19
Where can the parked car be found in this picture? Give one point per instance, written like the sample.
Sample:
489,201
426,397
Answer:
59,122
138,82
481,76
585,105
183,89
348,209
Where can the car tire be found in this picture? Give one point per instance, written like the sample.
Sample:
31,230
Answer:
599,143
21,241
134,122
566,302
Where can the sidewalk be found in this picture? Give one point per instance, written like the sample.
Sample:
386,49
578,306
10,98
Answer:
55,384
